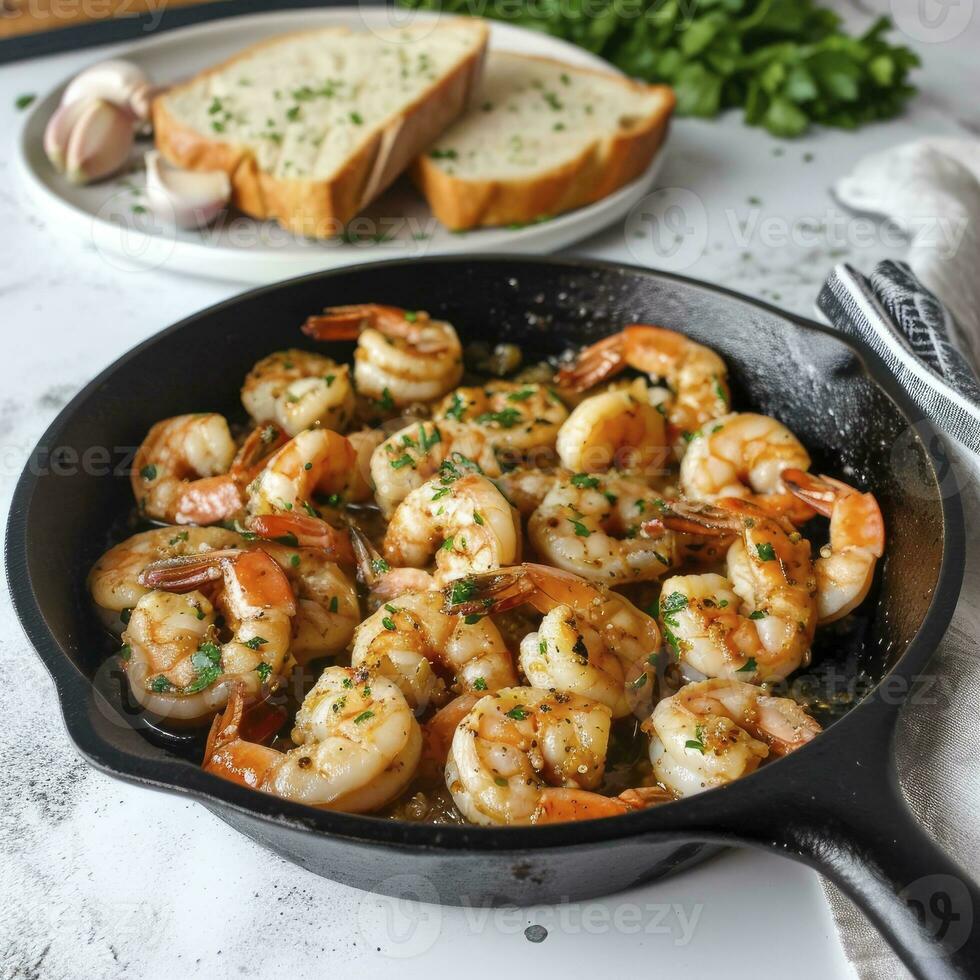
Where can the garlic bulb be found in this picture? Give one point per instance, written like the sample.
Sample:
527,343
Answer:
186,198
89,139
116,81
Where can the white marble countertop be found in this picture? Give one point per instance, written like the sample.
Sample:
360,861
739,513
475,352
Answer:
101,879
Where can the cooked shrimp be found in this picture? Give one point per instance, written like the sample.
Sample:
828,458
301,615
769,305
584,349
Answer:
527,486
180,471
114,579
518,419
617,428
365,441
716,731
466,523
299,390
743,455
418,452
402,357
176,665
438,731
516,743
358,746
316,461
327,606
758,623
591,642
846,566
591,526
695,374
424,651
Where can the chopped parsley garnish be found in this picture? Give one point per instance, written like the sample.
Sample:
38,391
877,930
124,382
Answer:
585,482
388,623
334,604
386,403
363,716
757,614
749,666
479,684
518,713
289,539
149,472
379,566
478,518
696,743
255,642
206,660
520,396
457,408
461,591
580,529
766,551
472,619
506,418
402,461
264,671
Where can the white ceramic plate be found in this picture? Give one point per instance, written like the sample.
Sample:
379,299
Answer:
398,225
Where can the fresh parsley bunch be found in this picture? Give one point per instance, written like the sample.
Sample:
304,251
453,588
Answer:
786,62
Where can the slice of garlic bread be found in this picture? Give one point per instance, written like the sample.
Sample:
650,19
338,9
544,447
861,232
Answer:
312,126
541,137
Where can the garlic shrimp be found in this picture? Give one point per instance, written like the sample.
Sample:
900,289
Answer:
113,581
175,661
744,455
529,756
846,566
695,375
358,746
591,642
716,731
314,462
416,453
466,523
299,390
402,356
518,419
618,428
756,623
429,653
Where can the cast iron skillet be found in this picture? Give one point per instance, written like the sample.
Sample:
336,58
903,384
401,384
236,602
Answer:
835,804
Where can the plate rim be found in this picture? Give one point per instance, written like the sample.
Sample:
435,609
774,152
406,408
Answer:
258,264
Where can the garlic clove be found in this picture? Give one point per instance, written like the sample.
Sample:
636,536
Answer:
120,82
186,198
99,143
58,131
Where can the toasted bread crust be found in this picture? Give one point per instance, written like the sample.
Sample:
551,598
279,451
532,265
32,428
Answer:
603,167
321,208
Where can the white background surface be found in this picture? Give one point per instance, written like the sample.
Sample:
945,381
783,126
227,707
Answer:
99,879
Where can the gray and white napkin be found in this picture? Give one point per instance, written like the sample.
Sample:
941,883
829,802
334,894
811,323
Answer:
938,768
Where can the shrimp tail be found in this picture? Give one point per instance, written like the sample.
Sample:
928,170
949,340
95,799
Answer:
261,581
347,322
184,573
369,564
563,805
503,589
817,491
255,451
299,530
597,362
230,754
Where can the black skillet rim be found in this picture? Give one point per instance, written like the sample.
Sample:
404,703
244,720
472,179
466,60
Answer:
178,776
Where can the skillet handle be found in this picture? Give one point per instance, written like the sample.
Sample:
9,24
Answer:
851,823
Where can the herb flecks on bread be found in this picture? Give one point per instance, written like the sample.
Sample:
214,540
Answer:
312,126
541,137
